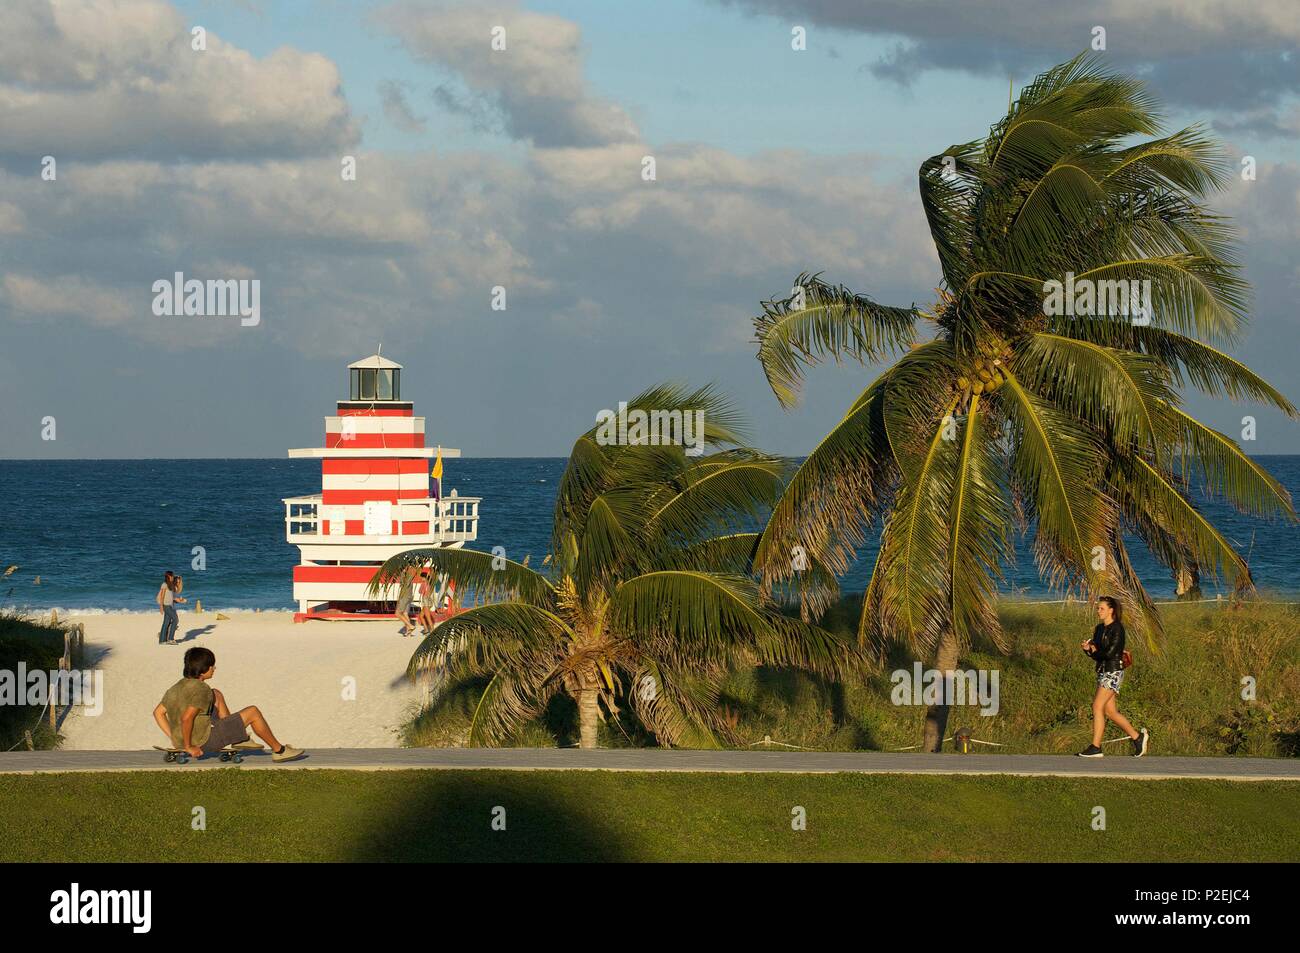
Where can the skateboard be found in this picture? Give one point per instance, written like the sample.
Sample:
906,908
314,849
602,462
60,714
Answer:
233,753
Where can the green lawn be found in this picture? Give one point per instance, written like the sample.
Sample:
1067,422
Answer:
446,815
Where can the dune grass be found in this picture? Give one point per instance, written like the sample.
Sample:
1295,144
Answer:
38,646
627,816
1188,693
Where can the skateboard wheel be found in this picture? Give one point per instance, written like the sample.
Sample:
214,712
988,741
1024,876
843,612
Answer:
225,756
169,757
238,759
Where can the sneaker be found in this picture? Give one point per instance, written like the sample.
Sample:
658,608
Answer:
1092,751
1140,743
287,753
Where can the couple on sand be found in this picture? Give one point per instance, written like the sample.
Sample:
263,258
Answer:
168,595
418,586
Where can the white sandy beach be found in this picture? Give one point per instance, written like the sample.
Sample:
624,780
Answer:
294,672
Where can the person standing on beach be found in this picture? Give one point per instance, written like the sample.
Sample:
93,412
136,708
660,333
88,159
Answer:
404,597
167,600
1107,650
427,599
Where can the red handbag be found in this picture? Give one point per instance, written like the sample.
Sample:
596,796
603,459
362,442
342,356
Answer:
1126,660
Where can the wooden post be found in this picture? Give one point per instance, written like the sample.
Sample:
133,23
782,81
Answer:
27,737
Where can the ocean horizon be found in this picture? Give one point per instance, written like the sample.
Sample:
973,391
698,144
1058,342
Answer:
100,533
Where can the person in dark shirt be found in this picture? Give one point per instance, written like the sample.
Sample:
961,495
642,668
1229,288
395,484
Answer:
1107,650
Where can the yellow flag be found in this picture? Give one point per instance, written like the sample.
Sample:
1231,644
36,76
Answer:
437,466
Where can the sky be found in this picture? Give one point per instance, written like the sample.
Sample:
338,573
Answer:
521,169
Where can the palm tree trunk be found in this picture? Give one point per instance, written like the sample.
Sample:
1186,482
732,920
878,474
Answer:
936,716
588,716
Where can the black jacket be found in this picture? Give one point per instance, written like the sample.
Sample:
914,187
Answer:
1109,643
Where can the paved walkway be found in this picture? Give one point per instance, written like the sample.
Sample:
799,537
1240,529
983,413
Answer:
800,762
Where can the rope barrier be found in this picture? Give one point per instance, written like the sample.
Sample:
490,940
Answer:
26,734
1158,602
767,740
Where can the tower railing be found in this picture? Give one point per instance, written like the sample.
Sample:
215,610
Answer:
452,519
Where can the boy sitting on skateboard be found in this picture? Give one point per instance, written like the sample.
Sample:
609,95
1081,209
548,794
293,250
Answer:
185,714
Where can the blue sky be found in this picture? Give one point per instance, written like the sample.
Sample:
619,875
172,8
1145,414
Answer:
687,71
771,162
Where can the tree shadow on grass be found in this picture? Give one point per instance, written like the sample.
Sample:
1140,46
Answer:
447,816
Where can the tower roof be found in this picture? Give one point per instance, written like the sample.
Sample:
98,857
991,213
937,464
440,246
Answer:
374,360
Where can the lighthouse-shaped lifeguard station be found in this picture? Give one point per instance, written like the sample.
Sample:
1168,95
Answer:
375,498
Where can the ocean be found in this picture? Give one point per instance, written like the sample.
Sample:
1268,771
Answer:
100,533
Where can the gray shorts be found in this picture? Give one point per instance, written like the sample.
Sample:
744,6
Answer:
225,732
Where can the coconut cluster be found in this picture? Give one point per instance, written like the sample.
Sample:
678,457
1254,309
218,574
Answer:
985,376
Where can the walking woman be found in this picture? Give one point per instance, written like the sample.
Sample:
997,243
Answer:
1107,650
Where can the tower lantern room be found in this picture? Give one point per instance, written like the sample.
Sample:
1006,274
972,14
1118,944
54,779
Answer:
374,378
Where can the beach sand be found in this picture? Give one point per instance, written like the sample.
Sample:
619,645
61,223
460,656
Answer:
293,672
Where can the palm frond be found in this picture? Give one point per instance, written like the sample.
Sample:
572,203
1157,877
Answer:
682,710
948,184
704,614
915,594
831,498
1117,391
719,497
1158,498
1207,368
486,639
1059,463
980,518
1224,469
489,576
506,705
832,322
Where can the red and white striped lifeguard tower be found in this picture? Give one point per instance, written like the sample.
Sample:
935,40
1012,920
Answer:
375,498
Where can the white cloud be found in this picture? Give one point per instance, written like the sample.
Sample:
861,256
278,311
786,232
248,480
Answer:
536,82
92,78
68,296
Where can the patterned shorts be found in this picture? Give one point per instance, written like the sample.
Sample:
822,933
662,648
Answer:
1111,680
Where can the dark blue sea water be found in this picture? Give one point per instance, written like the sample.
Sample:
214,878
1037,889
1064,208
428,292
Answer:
99,533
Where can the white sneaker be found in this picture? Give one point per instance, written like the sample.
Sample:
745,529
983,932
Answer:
287,753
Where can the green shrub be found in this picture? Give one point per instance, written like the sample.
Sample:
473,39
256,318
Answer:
38,647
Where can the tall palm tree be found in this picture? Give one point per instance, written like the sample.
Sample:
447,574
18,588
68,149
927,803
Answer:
648,598
1005,416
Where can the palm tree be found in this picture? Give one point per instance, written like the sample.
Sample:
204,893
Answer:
649,596
1008,417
